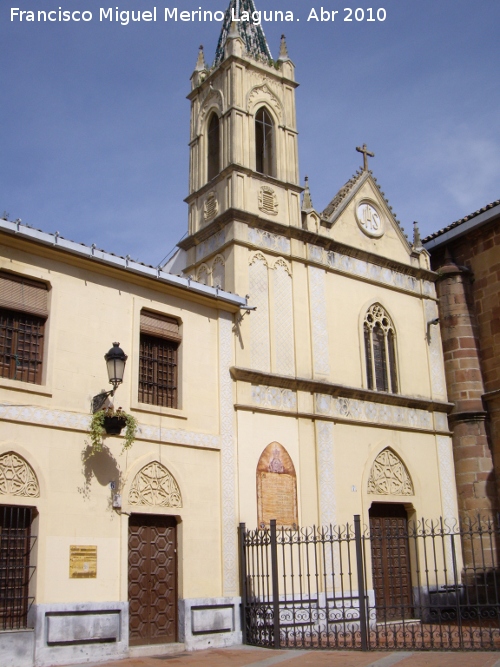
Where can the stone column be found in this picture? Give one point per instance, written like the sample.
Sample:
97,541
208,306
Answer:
474,469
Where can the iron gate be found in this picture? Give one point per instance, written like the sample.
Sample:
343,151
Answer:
418,585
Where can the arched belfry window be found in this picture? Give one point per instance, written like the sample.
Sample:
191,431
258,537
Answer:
264,142
380,350
213,166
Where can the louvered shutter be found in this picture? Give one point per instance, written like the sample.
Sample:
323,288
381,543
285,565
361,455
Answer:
23,294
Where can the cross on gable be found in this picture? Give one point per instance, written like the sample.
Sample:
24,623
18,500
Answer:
365,152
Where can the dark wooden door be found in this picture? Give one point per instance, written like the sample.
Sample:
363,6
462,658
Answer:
391,562
152,579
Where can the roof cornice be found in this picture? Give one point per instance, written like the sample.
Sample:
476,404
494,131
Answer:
461,227
125,264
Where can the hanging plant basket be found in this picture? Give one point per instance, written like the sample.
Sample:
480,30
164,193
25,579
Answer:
109,422
114,424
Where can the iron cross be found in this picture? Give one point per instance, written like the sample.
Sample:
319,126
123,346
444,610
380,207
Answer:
366,153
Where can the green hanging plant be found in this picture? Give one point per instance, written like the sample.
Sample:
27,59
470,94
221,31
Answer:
97,431
111,422
131,426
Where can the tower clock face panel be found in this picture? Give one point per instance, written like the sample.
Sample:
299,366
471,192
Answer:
369,219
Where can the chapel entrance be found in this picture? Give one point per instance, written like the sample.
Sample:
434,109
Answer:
391,561
152,579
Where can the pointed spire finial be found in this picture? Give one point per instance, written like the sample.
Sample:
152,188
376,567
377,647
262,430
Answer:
200,63
417,241
283,50
307,204
233,31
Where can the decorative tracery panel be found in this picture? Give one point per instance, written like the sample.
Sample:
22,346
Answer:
218,272
380,350
202,275
155,486
283,319
260,354
17,478
389,476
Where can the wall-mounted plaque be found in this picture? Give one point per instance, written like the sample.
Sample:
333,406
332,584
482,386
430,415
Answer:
82,562
276,487
369,219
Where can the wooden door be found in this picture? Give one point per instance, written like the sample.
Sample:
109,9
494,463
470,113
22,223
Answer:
391,562
152,579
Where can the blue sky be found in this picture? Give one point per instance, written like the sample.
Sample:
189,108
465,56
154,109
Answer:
94,123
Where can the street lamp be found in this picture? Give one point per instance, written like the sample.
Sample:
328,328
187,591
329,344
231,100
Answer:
115,363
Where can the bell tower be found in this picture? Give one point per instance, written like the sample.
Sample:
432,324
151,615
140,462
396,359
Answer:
243,172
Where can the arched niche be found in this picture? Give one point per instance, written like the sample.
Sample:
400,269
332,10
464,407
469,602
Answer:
276,487
389,476
154,486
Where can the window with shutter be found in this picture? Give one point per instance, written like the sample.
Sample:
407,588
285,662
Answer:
380,350
158,360
23,312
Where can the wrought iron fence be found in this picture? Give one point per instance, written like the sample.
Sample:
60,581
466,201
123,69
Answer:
16,572
392,585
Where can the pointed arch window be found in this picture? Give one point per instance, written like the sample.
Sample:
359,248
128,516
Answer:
264,142
213,166
380,350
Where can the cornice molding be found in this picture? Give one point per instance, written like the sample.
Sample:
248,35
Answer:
338,390
252,220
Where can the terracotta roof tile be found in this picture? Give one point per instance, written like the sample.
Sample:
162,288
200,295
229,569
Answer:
457,223
341,195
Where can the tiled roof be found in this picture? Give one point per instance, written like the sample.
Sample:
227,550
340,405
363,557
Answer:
457,223
341,195
251,33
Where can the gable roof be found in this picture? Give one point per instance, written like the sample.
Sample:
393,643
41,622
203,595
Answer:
341,195
252,34
347,191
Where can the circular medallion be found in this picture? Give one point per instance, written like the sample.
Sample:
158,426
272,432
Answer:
369,219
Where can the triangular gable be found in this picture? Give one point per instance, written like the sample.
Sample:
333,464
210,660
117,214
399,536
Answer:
359,215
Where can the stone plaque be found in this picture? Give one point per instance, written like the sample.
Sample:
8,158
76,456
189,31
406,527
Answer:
276,487
82,562
369,219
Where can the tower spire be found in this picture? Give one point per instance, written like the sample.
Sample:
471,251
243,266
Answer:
307,204
200,63
252,34
283,50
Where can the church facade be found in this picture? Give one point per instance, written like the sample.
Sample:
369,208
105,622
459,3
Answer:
338,375
317,394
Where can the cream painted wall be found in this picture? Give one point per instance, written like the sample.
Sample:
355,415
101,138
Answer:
46,424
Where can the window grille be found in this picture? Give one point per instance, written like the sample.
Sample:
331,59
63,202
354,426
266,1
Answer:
264,142
380,350
158,360
16,573
21,346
